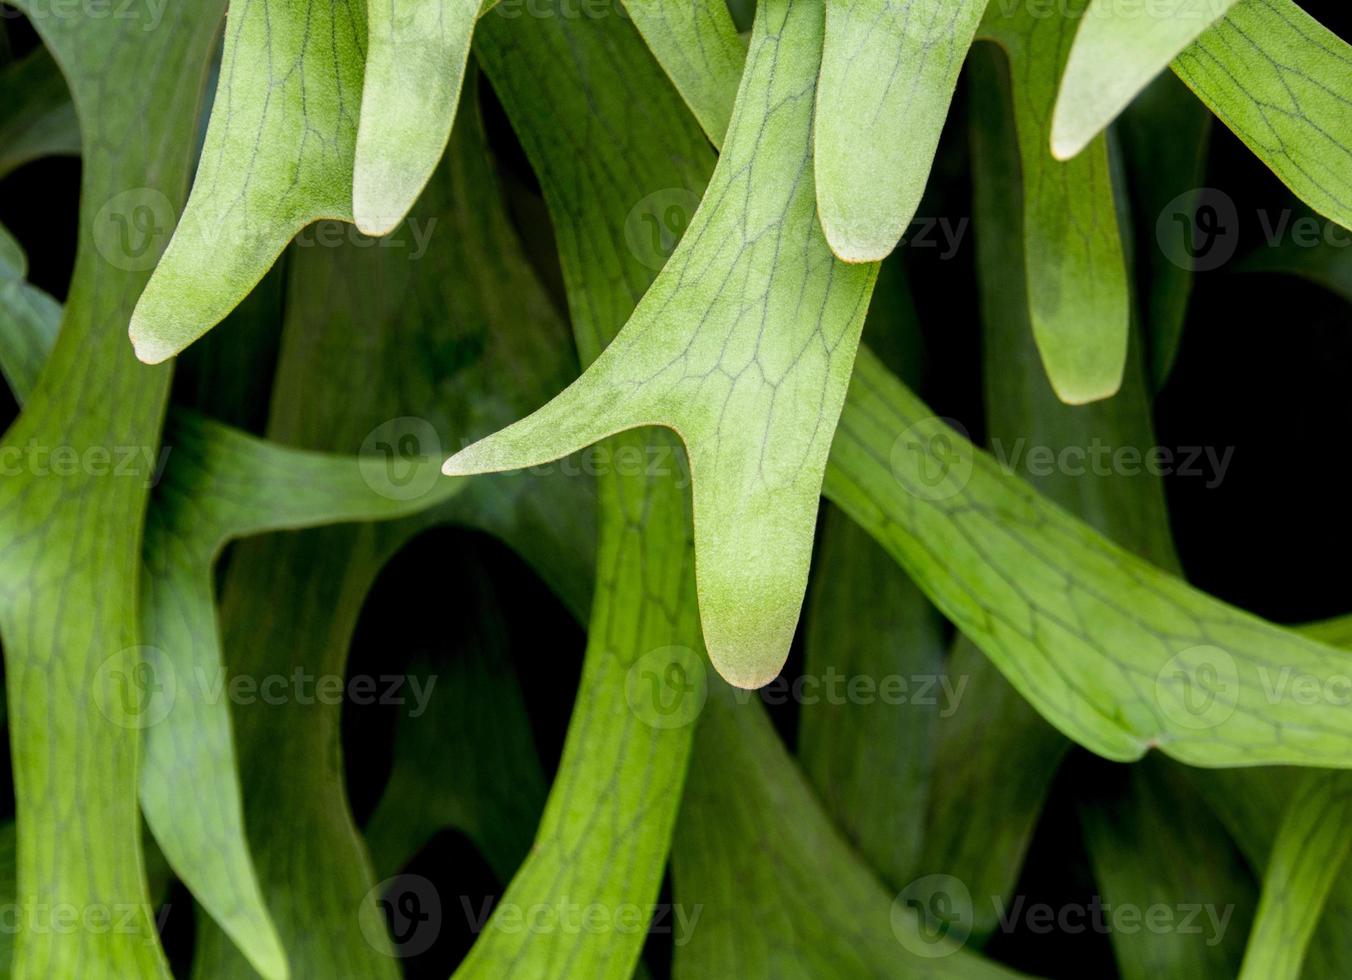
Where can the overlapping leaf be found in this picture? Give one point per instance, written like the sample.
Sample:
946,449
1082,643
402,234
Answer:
743,346
1306,860
1118,50
887,80
1077,279
698,47
1283,83
72,535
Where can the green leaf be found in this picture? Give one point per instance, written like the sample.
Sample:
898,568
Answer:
219,486
1152,842
1117,654
222,485
871,763
607,826
994,762
29,322
1118,50
72,540
1077,280
1283,83
1165,137
278,156
996,756
867,623
1325,264
698,47
743,346
415,65
13,260
37,117
887,79
339,397
1306,859
777,890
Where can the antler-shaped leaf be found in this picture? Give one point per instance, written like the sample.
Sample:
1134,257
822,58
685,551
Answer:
278,155
1282,82
697,45
1119,48
415,67
1077,279
888,74
743,346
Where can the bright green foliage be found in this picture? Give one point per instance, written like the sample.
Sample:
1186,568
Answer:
70,541
278,156
698,47
742,346
1307,858
1118,49
1076,270
1283,82
415,63
42,122
887,78
679,268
